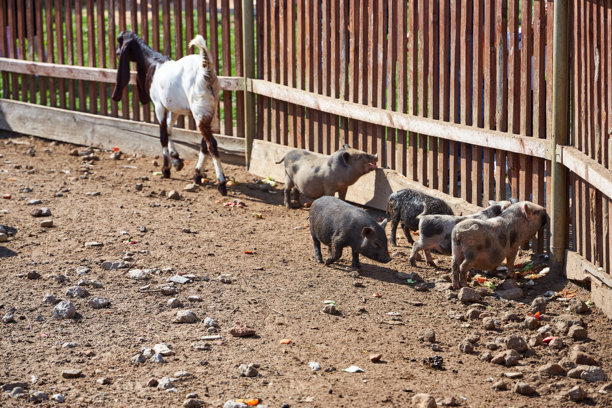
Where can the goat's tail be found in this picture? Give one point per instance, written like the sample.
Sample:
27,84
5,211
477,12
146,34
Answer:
199,42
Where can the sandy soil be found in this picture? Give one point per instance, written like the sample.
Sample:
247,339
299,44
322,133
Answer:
276,287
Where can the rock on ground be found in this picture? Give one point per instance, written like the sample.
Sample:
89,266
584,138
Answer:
64,310
424,401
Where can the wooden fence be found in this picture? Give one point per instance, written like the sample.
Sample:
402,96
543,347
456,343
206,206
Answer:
454,94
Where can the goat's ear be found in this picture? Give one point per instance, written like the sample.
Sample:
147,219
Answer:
123,71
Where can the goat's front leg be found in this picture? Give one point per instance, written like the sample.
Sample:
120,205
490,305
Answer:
162,114
176,160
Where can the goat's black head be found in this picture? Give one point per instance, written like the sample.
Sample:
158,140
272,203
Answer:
130,47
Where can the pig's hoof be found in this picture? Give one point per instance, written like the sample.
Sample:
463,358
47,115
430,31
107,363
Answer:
197,179
166,172
319,259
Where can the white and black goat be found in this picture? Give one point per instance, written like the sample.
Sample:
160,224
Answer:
181,87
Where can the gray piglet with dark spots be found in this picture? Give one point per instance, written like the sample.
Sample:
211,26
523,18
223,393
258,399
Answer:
315,175
483,244
406,205
435,230
338,225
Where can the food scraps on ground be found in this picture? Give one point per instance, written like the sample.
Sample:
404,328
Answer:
330,302
235,203
116,149
250,402
129,241
249,252
157,173
285,341
7,196
376,295
259,216
547,340
270,181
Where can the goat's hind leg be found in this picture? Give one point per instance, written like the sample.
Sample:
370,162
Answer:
197,174
176,159
162,118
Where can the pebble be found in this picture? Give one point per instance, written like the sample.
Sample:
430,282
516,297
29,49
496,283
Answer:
194,298
513,375
138,358
578,306
174,303
99,303
472,314
7,387
423,401
82,270
523,388
39,396
165,383
488,323
70,344
375,358
536,340
76,292
577,371
509,358
581,358
138,187
103,381
147,352
191,187
9,317
428,335
517,343
556,343
193,403
210,322
47,224
593,374
173,195
185,316
152,382
538,305
34,202
314,366
234,404
576,394
183,374
466,347
158,359
578,333
138,274
113,265
510,294
531,323
511,317
162,349
41,212
436,347
179,279
552,369
225,278
564,322
468,295
93,244
331,309
58,397
64,310
606,388
169,290
500,386
3,237
247,370
72,373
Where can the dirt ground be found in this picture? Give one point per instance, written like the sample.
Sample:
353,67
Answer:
276,287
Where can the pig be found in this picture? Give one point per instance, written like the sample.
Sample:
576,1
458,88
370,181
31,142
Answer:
483,244
405,205
315,175
435,230
338,224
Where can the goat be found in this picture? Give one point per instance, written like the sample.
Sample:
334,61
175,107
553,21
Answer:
181,87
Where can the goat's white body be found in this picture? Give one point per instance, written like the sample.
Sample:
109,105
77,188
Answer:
180,87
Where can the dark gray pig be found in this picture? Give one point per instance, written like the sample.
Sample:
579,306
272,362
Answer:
405,206
315,176
435,230
338,225
483,244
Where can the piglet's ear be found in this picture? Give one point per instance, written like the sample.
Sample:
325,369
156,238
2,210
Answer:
346,146
367,232
525,210
346,158
384,223
123,71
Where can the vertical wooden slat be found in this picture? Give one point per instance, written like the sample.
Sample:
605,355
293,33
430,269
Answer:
549,103
371,68
392,84
80,59
514,94
202,26
166,29
466,95
282,70
525,164
325,72
316,72
226,62
12,46
178,45
30,38
423,87
112,44
59,46
434,92
413,73
274,66
91,51
334,65
144,34
40,48
239,69
343,85
489,76
477,99
354,61
266,67
155,25
125,98
453,147
606,62
300,72
4,48
259,12
445,55
100,31
21,35
501,95
363,67
402,88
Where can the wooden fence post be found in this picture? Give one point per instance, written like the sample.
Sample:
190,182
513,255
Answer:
559,137
249,72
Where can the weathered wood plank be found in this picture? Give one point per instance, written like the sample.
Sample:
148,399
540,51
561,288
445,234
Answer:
414,123
587,168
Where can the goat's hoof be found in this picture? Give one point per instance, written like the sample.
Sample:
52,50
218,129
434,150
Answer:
222,188
197,179
166,173
178,164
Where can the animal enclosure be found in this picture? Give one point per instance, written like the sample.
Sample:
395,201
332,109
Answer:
455,94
